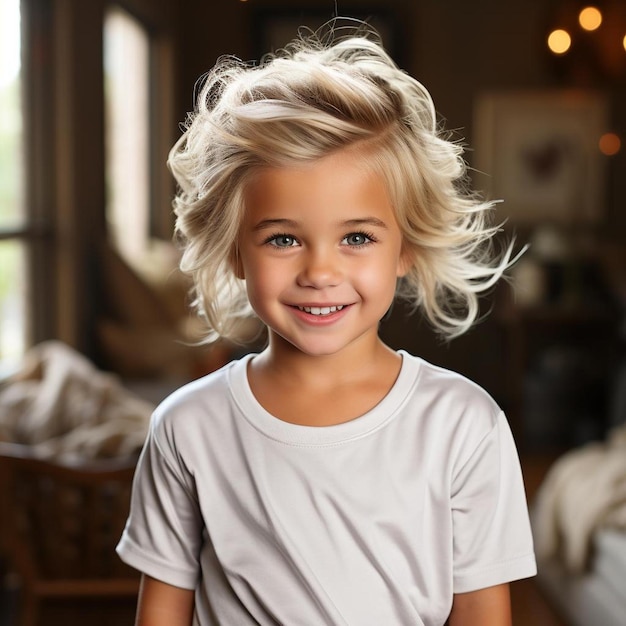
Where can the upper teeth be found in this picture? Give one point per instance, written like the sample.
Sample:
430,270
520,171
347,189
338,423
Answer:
323,310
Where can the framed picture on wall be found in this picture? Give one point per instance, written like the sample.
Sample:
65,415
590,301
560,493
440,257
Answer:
539,153
273,28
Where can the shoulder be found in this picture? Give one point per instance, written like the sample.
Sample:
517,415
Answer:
452,402
454,390
195,407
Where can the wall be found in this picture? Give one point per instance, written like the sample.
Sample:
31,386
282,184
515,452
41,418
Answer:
458,49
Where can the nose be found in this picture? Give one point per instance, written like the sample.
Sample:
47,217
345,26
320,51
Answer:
320,269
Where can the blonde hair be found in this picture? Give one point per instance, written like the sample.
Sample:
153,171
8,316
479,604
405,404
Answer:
320,94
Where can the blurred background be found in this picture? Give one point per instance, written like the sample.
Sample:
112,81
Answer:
91,98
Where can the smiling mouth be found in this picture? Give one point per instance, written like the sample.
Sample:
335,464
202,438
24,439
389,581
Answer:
321,310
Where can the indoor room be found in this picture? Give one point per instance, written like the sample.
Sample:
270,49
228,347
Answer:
97,321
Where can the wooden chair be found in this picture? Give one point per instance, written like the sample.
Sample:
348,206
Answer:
59,526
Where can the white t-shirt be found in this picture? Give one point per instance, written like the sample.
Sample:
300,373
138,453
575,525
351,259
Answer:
376,521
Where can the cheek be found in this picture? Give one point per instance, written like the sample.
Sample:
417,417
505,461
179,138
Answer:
379,276
261,281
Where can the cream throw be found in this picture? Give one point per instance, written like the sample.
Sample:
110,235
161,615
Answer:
63,406
584,491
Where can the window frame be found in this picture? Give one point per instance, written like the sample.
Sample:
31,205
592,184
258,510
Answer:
64,225
35,230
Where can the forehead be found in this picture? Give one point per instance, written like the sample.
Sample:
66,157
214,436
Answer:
343,185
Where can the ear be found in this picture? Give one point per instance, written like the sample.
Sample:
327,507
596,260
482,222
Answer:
404,262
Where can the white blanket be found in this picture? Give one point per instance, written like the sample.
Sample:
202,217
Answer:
585,490
63,406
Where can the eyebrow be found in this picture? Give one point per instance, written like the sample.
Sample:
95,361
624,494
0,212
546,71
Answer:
366,221
287,223
273,223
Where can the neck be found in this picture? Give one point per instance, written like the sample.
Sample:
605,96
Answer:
350,365
322,390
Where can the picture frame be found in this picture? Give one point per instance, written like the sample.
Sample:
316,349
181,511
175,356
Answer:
538,152
274,28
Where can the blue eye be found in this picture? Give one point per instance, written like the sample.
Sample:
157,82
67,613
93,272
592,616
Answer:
357,239
282,241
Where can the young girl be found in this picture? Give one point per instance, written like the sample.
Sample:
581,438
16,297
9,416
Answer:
327,480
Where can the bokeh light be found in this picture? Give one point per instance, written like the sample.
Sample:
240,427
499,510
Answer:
610,144
559,41
590,18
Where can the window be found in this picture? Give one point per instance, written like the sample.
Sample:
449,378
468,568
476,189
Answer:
127,133
14,226
51,110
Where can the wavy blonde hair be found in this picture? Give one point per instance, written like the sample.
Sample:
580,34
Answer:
320,94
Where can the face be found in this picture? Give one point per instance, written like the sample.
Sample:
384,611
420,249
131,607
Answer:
320,250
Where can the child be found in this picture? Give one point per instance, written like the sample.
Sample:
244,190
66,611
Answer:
327,480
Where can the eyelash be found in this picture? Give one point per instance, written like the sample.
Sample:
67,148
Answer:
275,236
369,236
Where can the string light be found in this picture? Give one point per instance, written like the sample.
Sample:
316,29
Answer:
589,38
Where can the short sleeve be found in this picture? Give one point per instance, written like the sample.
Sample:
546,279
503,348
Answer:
491,528
163,533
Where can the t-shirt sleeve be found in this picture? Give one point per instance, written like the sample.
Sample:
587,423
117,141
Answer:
492,536
163,534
